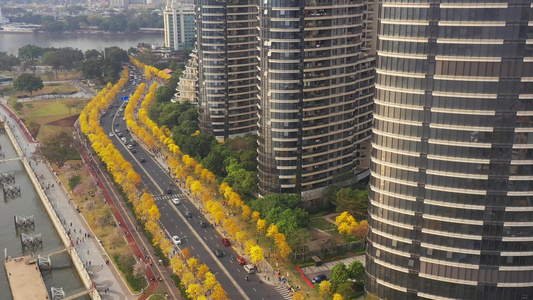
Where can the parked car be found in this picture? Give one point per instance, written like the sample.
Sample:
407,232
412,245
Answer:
319,278
176,240
176,201
218,253
250,269
226,242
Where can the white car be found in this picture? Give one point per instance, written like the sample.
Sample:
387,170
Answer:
111,134
176,240
176,201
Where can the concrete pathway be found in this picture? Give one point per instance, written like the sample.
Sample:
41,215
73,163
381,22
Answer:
89,249
325,267
328,218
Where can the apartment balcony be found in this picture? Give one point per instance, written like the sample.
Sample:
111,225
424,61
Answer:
317,13
321,23
318,54
319,33
310,3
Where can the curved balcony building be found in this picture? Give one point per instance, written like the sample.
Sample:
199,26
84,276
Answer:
315,95
227,67
187,86
451,210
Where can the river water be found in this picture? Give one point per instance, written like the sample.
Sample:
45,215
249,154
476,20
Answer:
11,41
63,273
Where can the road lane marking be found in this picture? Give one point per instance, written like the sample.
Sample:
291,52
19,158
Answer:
217,261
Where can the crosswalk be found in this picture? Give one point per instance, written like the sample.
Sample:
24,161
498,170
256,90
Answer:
167,197
283,291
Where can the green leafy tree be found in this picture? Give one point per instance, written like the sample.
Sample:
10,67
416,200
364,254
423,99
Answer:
356,271
53,59
339,275
7,62
347,290
29,52
74,181
215,160
95,20
28,83
92,53
292,219
132,51
164,94
298,238
148,57
71,57
91,68
59,148
242,181
30,65
54,27
355,202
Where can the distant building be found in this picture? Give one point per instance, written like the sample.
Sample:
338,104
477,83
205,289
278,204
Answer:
124,4
179,25
2,19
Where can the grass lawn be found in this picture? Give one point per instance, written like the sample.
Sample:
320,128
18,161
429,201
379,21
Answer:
55,108
49,130
50,116
321,224
49,88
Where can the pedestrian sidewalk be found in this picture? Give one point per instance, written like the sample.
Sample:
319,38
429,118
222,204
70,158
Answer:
105,276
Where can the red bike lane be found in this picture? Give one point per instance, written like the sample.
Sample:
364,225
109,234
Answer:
129,237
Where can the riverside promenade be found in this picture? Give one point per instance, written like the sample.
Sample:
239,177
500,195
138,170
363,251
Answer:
90,254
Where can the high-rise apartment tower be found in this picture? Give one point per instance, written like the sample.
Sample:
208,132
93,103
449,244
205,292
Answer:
226,52
451,201
315,94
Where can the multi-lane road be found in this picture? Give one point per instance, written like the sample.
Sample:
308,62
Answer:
201,241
